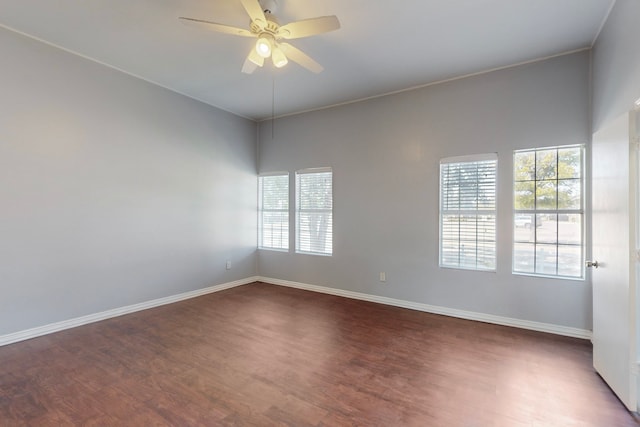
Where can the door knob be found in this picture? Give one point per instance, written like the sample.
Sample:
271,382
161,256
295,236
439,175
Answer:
590,264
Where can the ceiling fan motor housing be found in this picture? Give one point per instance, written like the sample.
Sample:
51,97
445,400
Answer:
271,27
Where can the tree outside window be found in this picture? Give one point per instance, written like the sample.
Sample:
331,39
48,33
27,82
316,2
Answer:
548,218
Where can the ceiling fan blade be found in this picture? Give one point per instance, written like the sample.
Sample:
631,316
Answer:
213,26
298,56
255,12
252,62
248,67
309,27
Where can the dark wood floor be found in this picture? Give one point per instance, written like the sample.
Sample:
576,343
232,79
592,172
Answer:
262,355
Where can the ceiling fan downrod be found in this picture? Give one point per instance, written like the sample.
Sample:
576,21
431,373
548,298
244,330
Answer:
269,6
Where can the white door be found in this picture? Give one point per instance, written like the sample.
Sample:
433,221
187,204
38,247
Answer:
613,243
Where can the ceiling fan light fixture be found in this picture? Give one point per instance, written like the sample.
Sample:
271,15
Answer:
267,33
279,58
263,47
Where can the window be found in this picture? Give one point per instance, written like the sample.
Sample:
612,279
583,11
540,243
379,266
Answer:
314,211
548,222
468,212
273,211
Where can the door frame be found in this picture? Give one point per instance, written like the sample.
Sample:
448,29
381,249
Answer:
634,297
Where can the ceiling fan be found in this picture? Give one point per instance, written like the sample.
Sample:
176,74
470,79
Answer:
269,34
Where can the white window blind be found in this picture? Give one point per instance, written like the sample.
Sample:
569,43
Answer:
468,212
273,211
314,211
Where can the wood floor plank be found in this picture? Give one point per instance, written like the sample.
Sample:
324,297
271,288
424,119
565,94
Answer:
267,355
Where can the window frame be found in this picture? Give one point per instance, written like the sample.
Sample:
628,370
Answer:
474,158
299,211
536,211
261,211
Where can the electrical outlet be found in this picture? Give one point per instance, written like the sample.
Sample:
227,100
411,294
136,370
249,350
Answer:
228,265
383,276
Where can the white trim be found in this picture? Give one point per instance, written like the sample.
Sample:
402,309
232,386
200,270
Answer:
635,384
452,312
97,317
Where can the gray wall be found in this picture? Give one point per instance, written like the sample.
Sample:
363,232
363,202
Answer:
113,191
385,153
616,64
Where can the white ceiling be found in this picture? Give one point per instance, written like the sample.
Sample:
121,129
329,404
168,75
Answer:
382,46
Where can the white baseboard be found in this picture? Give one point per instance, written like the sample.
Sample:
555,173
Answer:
462,314
469,315
91,318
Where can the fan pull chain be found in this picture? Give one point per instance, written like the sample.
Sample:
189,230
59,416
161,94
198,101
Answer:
273,102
